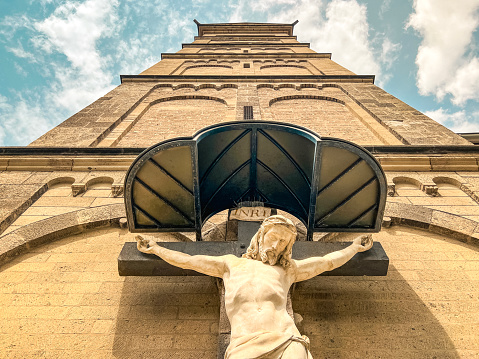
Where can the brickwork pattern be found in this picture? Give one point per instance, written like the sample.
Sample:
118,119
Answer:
426,307
84,128
156,118
65,299
59,199
336,123
450,192
413,126
24,193
161,122
318,110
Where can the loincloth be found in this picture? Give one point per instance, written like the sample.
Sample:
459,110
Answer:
266,345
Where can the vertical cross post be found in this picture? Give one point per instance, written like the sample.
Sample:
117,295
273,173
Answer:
248,220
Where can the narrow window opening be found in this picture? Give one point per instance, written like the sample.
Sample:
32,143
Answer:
245,51
248,112
246,65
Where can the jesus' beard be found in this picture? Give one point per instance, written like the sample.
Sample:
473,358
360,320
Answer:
268,256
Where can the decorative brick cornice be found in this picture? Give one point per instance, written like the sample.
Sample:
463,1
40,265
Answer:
246,56
249,78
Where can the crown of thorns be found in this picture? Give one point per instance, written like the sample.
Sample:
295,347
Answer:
278,219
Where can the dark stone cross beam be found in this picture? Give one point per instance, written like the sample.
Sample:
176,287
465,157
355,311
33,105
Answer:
131,262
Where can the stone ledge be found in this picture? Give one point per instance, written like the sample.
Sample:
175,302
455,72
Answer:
20,240
48,230
248,55
132,262
392,162
457,227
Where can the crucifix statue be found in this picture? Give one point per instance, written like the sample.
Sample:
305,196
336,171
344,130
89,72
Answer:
330,185
257,286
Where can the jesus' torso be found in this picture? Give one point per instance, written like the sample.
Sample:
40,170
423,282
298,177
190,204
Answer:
256,296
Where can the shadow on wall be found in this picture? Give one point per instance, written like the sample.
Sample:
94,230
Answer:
167,317
370,317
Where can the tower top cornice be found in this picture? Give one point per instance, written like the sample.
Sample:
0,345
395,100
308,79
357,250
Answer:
245,27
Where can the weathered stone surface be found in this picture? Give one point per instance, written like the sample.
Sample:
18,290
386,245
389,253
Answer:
409,212
133,263
69,295
57,227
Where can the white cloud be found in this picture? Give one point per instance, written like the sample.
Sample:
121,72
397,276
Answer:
74,30
10,24
446,50
265,5
20,70
339,27
459,121
346,35
465,85
65,50
385,6
389,53
20,52
22,121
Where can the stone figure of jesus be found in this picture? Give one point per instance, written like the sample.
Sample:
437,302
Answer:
257,285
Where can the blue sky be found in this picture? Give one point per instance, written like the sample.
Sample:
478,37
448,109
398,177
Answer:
58,56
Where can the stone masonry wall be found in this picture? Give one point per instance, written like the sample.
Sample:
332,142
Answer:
65,299
413,126
84,128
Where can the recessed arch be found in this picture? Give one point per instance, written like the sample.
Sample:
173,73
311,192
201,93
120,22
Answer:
447,180
60,182
304,97
209,66
188,97
407,180
99,180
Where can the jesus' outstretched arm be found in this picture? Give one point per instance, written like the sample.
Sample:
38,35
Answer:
209,265
311,267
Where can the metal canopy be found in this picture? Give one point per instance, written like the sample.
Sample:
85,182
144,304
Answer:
331,185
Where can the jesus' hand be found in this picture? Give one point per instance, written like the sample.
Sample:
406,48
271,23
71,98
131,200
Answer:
145,245
364,242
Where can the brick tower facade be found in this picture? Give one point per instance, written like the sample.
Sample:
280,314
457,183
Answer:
62,212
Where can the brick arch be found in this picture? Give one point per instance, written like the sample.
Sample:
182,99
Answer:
329,116
48,230
188,97
433,220
464,187
283,86
183,86
272,68
310,97
58,181
447,180
205,66
407,180
293,86
60,226
269,49
98,181
160,120
226,61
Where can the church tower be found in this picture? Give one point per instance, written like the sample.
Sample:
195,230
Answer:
62,216
246,71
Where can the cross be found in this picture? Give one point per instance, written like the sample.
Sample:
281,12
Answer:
246,221
253,168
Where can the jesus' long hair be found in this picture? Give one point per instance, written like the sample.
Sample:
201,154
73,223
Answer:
253,250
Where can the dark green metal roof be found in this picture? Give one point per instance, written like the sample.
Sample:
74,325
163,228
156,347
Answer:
331,185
